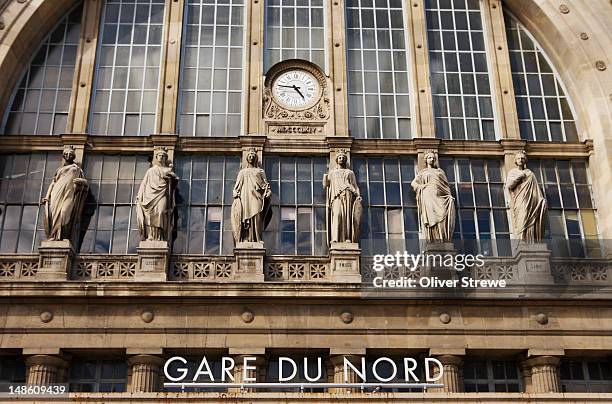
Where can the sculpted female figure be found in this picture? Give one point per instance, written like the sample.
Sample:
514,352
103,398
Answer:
64,200
526,201
343,202
436,205
251,211
155,199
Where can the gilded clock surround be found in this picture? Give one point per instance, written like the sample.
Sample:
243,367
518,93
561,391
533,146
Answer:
283,121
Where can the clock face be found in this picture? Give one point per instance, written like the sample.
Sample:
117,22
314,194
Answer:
296,89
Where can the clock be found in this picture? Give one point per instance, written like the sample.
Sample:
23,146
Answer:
296,89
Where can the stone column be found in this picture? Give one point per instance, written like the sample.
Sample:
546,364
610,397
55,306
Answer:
337,361
258,363
544,374
452,376
526,376
145,372
45,369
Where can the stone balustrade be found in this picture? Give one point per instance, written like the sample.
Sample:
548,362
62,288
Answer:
89,267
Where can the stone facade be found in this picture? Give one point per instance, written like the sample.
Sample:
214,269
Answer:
250,303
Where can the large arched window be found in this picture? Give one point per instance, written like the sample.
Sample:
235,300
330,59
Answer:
461,90
543,109
211,75
40,103
377,62
124,99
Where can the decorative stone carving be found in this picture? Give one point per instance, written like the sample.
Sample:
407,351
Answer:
147,316
247,316
347,316
65,197
527,203
344,206
436,205
542,318
155,199
445,318
251,211
46,316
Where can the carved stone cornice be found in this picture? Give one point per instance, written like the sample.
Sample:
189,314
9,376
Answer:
29,143
294,144
256,141
297,145
339,142
209,145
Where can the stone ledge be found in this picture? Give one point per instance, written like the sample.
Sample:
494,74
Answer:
274,398
134,289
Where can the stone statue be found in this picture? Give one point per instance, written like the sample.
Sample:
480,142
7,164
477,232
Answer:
65,197
155,199
343,202
251,211
435,203
526,201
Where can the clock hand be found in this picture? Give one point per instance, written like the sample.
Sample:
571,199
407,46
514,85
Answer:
296,88
286,86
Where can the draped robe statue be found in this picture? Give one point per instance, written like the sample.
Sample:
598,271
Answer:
65,197
435,203
155,200
251,211
527,202
343,203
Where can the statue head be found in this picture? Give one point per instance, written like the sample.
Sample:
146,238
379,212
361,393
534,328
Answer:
160,156
252,157
342,158
520,159
69,154
431,159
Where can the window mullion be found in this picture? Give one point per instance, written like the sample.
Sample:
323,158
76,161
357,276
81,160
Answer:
170,67
83,79
502,88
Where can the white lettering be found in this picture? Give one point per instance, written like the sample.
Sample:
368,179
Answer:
362,374
375,371
282,360
436,362
182,370
203,364
410,370
246,368
227,370
319,370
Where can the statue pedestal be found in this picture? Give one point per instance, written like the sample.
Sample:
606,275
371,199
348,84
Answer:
250,261
533,263
344,259
55,260
153,259
438,251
